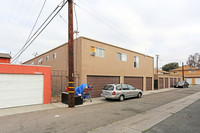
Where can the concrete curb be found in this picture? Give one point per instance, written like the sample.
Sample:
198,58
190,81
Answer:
144,121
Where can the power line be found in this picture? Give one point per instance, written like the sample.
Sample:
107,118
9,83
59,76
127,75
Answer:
40,31
76,18
32,28
63,18
109,26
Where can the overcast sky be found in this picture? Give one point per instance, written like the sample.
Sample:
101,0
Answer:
168,28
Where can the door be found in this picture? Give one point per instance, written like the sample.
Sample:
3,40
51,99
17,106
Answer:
166,83
98,83
136,82
126,91
148,83
171,82
20,90
189,80
161,83
133,92
197,80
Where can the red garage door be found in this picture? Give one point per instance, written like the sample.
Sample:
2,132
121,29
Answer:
137,82
98,82
161,83
166,83
148,83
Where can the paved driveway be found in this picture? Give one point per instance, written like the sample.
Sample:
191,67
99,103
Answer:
87,118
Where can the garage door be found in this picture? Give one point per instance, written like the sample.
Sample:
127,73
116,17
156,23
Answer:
166,83
189,80
161,83
197,80
171,82
20,90
149,83
174,81
137,82
98,82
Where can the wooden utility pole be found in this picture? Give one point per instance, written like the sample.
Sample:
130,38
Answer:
157,62
183,70
71,99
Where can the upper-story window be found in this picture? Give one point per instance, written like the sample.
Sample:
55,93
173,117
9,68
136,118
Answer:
99,52
47,58
192,71
136,61
54,55
40,61
176,72
121,56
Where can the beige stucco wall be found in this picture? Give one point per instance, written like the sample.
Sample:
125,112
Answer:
85,64
111,66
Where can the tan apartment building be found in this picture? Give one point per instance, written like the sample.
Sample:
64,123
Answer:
163,79
191,74
97,63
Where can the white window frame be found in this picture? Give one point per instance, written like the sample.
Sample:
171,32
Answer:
192,71
40,61
99,52
54,55
136,63
121,56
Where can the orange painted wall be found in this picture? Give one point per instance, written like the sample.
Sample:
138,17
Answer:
23,69
4,60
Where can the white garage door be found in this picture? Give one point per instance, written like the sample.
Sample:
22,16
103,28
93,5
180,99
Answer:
189,80
197,80
20,90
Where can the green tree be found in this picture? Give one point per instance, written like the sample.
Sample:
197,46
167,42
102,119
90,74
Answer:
170,66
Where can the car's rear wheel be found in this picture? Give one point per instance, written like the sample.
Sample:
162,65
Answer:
121,98
139,95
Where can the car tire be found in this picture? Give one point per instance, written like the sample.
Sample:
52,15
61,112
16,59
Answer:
139,95
107,99
121,98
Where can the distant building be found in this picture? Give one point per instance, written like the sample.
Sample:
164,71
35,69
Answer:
97,63
5,58
191,74
163,79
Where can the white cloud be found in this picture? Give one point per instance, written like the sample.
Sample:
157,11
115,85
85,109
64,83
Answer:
168,28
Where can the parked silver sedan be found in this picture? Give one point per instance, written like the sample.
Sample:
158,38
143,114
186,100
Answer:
120,91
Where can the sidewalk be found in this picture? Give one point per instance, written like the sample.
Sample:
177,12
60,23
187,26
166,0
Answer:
32,108
146,120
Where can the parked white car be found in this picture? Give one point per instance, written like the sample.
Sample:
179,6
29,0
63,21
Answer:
120,91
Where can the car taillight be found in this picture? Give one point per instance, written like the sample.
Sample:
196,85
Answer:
114,93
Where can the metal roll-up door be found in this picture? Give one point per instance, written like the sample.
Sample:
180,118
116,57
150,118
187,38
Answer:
166,83
148,83
171,82
137,82
161,86
98,82
20,90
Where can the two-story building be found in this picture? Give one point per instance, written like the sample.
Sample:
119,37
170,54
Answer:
191,74
97,63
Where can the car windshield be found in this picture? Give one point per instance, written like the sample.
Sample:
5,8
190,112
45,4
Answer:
108,87
181,82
